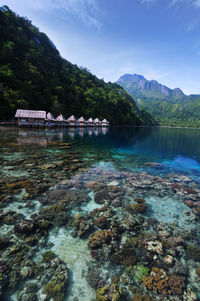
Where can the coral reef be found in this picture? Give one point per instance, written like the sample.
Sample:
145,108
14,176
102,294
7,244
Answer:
126,257
193,252
101,222
99,238
138,208
138,271
159,282
109,293
56,214
48,256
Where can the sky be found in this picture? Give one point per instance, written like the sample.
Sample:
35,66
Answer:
159,39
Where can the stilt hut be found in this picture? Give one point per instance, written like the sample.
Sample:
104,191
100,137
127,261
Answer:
81,121
104,123
72,121
90,122
30,117
96,122
60,120
50,119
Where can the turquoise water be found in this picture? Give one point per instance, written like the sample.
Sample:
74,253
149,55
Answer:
63,190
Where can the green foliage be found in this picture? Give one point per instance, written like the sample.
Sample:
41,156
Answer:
184,115
34,76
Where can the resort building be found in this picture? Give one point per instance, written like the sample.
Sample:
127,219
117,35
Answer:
35,118
81,121
50,117
30,117
60,120
89,122
104,123
72,121
96,122
50,120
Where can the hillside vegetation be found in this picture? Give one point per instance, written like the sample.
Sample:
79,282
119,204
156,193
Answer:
33,75
169,107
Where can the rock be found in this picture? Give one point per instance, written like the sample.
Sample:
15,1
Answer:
101,196
25,226
113,183
168,260
189,295
154,246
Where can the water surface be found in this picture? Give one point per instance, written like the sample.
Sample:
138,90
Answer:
61,179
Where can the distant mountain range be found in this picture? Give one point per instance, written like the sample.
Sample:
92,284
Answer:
168,106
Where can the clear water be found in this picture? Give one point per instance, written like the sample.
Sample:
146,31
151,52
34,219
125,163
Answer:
161,165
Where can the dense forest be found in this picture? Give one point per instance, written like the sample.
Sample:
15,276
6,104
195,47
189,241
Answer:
33,75
170,107
184,115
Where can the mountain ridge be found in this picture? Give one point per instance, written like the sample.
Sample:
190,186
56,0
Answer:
168,106
137,85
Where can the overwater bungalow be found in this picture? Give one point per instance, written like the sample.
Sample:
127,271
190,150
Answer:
104,123
50,117
90,122
50,120
72,121
30,117
60,120
96,122
81,121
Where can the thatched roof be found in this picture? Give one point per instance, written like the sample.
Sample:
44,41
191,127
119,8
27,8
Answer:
30,114
81,119
71,118
50,116
90,120
96,120
60,118
105,121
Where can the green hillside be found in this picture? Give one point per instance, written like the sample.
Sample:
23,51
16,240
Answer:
170,107
33,75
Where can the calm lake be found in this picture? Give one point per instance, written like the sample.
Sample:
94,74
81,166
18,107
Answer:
100,214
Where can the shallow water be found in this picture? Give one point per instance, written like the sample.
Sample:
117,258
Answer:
70,167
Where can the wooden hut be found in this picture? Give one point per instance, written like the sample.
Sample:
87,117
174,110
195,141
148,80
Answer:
60,120
96,122
50,120
72,121
90,122
50,117
81,121
104,123
30,117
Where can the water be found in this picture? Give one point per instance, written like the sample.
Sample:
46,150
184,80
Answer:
74,182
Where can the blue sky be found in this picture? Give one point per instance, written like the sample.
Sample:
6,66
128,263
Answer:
159,39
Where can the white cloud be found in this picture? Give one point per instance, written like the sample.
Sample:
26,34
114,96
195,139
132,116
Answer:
86,10
194,3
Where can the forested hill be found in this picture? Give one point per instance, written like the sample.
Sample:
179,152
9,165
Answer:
169,107
34,76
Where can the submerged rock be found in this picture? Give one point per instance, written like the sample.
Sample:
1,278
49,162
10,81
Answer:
25,226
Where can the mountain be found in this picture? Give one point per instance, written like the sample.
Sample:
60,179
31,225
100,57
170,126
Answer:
139,86
33,75
168,106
